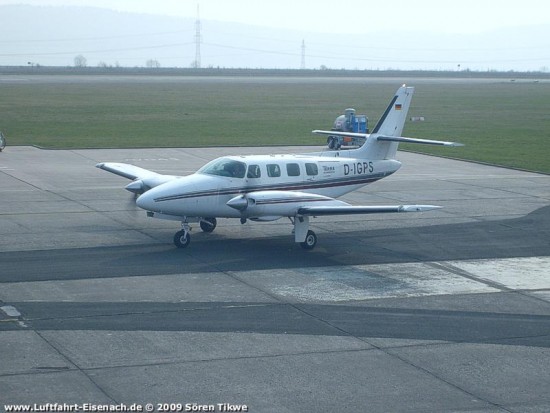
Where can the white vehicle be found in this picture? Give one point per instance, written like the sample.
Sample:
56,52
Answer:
269,187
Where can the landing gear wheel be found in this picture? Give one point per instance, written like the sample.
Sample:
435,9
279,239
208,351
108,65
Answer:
208,224
310,242
182,239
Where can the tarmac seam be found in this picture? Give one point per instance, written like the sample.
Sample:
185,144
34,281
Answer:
78,368
365,340
279,300
181,310
389,353
216,359
178,362
4,171
448,382
124,224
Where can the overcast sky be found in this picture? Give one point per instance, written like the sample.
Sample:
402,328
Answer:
352,34
350,16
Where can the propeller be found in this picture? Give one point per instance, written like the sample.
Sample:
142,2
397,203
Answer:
240,203
136,187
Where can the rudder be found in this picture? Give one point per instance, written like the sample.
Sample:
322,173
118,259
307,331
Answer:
390,124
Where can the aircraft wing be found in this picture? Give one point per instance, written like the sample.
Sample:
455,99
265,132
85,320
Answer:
339,133
374,209
292,203
126,170
143,179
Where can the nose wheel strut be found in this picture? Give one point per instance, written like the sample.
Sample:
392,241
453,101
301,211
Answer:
182,239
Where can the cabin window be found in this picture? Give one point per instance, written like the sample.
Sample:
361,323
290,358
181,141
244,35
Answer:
254,171
273,170
224,167
312,169
293,169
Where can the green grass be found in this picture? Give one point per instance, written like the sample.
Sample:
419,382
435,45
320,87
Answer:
501,122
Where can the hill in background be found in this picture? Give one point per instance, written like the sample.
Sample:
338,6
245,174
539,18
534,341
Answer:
54,36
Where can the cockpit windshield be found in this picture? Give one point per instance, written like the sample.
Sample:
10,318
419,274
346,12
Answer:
224,167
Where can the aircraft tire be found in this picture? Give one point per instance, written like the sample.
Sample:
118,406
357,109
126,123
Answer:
310,242
182,239
208,224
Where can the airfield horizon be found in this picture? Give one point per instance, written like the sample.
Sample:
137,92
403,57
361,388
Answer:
502,119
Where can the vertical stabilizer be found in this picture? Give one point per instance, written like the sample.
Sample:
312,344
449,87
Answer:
390,124
386,135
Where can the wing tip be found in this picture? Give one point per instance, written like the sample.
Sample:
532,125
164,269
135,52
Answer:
418,208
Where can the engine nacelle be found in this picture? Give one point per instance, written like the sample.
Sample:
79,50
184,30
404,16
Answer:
273,204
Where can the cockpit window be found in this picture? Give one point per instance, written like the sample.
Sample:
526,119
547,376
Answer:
224,167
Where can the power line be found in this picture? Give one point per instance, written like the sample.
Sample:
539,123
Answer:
303,63
75,39
95,51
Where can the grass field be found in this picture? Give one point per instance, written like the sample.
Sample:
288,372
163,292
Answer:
501,122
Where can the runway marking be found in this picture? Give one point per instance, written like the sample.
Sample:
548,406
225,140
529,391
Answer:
10,311
367,282
530,273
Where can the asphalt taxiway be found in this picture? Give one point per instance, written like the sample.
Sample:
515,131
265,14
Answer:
442,311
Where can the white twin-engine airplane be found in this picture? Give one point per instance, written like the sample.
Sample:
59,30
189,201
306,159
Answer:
269,187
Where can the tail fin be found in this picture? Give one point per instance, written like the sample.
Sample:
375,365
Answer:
385,137
392,121
390,125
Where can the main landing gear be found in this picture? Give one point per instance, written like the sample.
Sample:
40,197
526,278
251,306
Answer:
302,234
182,238
310,242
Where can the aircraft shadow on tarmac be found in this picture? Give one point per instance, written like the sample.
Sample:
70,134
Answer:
527,236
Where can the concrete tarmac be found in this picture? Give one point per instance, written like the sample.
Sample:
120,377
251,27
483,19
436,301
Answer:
443,311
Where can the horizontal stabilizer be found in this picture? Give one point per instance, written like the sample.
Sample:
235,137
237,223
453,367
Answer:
414,140
387,138
339,133
375,209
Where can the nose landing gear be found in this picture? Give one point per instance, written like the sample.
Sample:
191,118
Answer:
182,238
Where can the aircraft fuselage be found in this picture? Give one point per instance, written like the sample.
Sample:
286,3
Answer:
208,191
